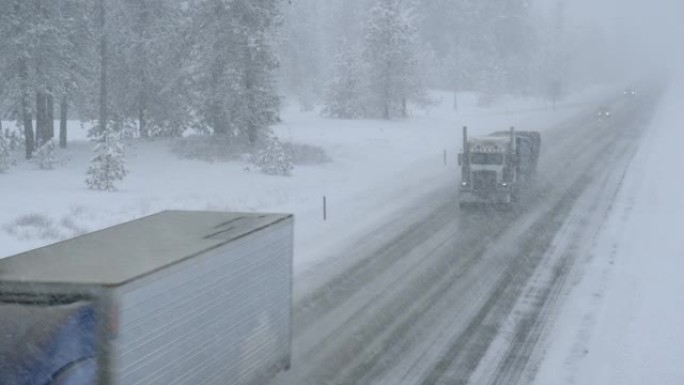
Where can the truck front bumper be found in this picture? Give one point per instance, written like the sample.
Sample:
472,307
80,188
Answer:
499,196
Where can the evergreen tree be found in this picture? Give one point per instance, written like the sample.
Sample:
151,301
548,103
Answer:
44,157
345,91
391,52
12,138
487,46
257,101
108,164
147,62
233,82
301,51
44,52
272,159
514,43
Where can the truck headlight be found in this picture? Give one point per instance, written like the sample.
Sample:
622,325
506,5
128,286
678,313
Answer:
464,184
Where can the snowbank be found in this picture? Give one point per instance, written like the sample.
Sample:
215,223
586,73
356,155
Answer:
622,323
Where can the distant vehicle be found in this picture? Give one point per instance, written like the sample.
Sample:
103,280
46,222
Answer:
603,112
171,299
629,92
496,168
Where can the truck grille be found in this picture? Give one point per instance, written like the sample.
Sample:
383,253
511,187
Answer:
484,182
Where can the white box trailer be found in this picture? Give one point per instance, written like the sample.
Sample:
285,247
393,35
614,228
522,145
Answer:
173,298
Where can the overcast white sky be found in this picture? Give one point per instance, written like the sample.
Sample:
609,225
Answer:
653,30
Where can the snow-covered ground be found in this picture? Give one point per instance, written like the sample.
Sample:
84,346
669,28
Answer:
375,167
619,324
622,321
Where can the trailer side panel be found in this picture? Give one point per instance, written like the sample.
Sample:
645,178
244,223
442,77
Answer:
220,317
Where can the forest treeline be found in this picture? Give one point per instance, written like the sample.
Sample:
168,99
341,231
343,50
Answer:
222,67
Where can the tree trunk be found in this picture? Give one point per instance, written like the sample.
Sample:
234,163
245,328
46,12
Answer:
252,125
39,125
217,112
41,118
42,129
103,68
404,108
142,124
142,71
63,122
50,116
25,94
26,111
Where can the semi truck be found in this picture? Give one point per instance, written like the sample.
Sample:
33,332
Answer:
177,297
497,168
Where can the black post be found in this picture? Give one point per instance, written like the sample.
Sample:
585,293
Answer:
325,209
465,163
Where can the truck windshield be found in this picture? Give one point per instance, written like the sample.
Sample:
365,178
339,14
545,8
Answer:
486,158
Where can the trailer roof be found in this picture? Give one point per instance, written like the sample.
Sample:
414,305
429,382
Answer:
133,249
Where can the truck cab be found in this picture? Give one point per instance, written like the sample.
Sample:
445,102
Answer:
488,177
497,167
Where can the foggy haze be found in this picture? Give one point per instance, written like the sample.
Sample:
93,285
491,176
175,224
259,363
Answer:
476,192
649,33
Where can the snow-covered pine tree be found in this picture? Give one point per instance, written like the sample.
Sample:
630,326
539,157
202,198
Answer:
257,104
344,94
108,164
146,59
392,54
301,51
45,53
272,159
516,44
233,82
5,154
491,79
44,157
13,138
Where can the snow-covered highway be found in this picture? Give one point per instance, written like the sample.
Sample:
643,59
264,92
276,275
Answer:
444,296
